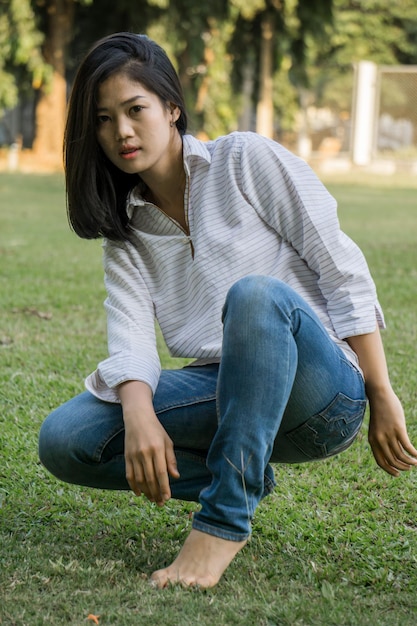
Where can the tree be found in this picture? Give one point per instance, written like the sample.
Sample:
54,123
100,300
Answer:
277,52
63,34
361,30
21,62
194,34
267,31
57,23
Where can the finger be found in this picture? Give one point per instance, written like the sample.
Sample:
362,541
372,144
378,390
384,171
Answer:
410,450
400,465
132,478
399,458
403,447
172,463
390,454
390,463
139,482
381,458
161,473
407,461
151,484
385,465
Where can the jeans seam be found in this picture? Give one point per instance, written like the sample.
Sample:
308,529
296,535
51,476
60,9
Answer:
180,452
352,366
98,453
178,405
269,485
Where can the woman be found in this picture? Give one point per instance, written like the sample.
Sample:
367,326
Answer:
234,247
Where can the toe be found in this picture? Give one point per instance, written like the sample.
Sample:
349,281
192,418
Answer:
159,579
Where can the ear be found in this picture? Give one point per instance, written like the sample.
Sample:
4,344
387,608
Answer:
175,111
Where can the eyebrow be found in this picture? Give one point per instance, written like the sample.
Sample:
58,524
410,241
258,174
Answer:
129,101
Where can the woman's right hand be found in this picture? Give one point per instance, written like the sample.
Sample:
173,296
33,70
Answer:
149,451
388,437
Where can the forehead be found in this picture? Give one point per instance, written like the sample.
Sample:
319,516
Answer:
119,87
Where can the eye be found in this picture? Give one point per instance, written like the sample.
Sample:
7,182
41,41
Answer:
136,109
101,119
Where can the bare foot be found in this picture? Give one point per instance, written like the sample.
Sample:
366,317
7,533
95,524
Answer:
201,561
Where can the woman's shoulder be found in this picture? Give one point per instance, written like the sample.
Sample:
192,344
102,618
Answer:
251,144
234,144
245,149
237,139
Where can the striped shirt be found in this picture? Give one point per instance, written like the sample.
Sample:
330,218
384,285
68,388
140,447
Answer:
252,208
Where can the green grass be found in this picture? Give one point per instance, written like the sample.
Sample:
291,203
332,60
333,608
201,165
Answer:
336,544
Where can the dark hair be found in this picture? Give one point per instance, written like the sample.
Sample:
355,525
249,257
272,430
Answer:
96,189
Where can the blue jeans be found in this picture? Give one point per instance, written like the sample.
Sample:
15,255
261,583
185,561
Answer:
284,392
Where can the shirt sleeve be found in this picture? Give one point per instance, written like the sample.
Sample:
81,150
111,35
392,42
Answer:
290,199
132,346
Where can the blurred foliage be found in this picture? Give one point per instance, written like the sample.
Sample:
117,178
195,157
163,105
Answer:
216,45
373,30
21,64
194,34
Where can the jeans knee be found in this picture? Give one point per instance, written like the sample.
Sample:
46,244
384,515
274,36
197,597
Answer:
51,448
45,443
256,292
248,289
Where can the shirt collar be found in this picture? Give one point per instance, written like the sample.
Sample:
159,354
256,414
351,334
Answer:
193,147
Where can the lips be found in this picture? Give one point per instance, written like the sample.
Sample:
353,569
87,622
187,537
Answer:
128,151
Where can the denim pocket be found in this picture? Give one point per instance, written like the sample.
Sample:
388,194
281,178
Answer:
332,430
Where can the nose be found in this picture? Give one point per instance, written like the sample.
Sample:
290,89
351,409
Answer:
123,128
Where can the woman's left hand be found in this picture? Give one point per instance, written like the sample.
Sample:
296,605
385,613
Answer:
388,437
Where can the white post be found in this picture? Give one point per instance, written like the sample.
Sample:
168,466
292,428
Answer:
363,118
13,157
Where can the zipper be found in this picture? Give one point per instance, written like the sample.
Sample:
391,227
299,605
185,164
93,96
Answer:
186,210
178,225
186,231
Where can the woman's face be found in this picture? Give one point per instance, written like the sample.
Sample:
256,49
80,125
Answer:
135,129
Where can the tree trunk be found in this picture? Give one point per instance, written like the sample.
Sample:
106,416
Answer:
265,106
51,107
246,117
304,139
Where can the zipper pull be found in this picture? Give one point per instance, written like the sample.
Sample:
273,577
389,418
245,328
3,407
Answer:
192,247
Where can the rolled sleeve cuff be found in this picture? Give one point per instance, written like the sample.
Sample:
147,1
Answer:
115,370
365,323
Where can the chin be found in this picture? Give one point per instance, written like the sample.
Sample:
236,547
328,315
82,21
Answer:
128,168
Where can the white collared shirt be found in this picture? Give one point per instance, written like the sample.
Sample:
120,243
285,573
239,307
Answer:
253,208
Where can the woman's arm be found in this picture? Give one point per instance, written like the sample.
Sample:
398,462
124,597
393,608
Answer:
289,197
130,313
149,452
388,436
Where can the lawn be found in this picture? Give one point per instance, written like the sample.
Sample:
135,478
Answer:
336,544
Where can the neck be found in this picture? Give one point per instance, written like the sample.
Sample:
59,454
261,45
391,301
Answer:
167,187
167,190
